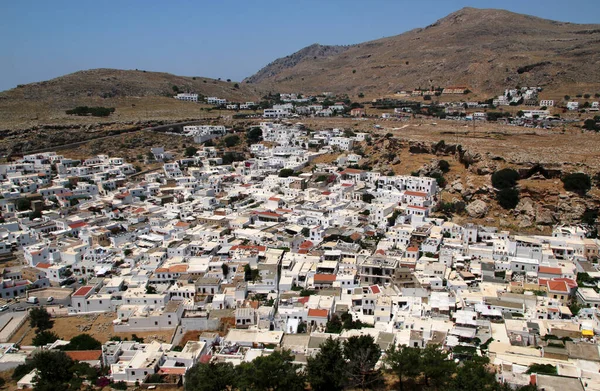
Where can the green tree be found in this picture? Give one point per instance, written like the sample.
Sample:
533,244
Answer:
210,377
40,318
367,197
444,165
436,367
505,178
286,172
590,124
578,182
53,370
23,204
83,342
150,290
44,337
508,198
225,269
273,372
473,374
334,325
254,135
546,369
190,151
305,232
22,370
232,140
404,362
327,370
362,353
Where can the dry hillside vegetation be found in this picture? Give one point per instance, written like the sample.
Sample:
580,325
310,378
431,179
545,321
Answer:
135,95
484,49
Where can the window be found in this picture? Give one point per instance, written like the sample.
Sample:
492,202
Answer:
156,323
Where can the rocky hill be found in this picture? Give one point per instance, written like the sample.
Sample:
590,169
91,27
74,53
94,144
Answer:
136,95
484,49
114,83
314,51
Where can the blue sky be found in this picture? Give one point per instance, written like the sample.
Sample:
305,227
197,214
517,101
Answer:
213,38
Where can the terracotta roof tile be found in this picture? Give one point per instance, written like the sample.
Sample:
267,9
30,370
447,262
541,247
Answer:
324,277
84,290
84,355
317,313
557,286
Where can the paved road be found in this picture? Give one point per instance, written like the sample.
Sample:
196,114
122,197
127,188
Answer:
23,304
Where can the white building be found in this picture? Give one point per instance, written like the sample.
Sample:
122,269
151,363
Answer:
188,97
276,113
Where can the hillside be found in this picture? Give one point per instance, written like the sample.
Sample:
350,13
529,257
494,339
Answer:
487,50
136,95
117,83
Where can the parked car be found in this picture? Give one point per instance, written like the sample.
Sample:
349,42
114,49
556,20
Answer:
19,308
50,299
4,308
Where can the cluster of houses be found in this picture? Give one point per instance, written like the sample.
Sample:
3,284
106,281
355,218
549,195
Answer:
271,258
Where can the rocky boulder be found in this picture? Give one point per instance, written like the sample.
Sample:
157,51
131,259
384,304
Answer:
477,209
543,216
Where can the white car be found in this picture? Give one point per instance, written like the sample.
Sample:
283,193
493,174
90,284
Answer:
4,308
50,299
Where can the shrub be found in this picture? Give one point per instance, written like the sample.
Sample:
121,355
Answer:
254,135
286,172
505,178
508,198
366,197
190,151
590,124
21,370
94,111
232,140
44,337
546,369
578,182
444,165
82,342
121,385
23,204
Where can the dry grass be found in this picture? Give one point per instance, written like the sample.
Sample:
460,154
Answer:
98,326
460,49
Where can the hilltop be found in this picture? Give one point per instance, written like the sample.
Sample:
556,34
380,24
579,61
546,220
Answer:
136,95
118,83
484,49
